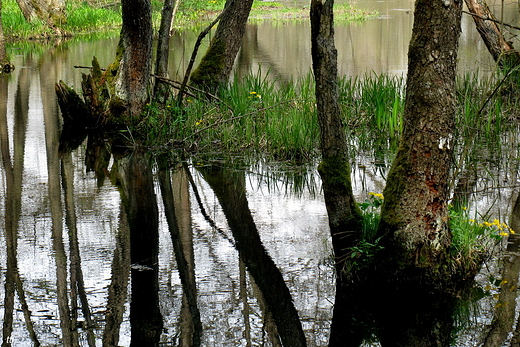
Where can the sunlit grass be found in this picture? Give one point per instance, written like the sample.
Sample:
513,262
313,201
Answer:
84,18
258,113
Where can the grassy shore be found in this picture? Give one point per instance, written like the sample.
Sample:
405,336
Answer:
104,16
262,115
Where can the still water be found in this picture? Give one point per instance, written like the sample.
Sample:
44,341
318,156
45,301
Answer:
69,274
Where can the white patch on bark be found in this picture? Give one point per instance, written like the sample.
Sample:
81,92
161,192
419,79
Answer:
438,230
445,142
446,3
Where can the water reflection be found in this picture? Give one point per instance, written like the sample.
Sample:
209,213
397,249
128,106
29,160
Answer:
114,249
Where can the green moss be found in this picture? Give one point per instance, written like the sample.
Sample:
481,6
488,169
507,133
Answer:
335,173
208,73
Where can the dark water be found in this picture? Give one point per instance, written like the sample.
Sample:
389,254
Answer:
252,267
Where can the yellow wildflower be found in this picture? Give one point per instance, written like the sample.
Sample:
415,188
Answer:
376,195
503,233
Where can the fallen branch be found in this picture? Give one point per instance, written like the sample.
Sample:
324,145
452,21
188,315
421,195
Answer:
491,20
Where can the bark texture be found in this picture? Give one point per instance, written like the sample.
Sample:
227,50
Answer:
215,67
501,50
135,67
343,212
414,215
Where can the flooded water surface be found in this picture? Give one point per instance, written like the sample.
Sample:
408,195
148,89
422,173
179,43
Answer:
131,251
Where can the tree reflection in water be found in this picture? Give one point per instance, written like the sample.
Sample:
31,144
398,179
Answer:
395,313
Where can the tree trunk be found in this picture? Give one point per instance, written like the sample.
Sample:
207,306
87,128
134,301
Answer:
133,79
215,67
501,50
161,90
414,217
343,212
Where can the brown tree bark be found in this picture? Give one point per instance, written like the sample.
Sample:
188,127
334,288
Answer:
135,67
215,67
414,217
161,89
487,25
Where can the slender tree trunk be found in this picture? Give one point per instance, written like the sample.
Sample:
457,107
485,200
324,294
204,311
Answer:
215,67
414,217
161,90
501,50
343,212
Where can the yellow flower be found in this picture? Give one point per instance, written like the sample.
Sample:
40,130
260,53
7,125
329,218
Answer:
472,221
464,208
487,224
511,231
503,233
376,195
252,93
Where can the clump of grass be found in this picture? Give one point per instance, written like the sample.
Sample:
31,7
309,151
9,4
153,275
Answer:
276,11
473,238
15,25
83,18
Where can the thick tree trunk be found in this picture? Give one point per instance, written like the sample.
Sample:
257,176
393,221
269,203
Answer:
414,217
343,212
135,67
501,50
215,67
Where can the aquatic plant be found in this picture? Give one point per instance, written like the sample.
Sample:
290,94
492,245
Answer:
473,238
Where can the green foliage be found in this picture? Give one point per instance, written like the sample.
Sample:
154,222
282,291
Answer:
472,237
343,13
362,256
83,18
